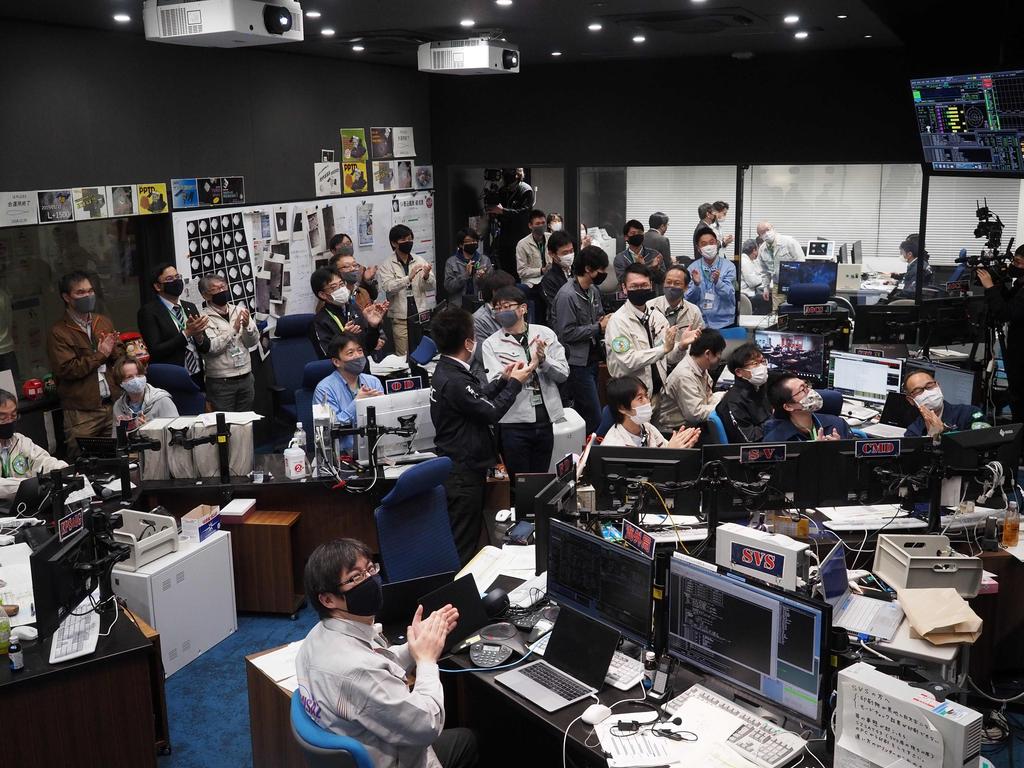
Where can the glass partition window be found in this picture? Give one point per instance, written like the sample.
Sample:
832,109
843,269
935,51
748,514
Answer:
952,204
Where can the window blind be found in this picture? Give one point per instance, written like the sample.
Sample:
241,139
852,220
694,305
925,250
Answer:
952,202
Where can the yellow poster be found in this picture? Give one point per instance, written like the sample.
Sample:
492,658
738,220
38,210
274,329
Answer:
153,198
355,178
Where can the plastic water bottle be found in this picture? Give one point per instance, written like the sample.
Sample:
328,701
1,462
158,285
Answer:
300,435
1011,525
17,659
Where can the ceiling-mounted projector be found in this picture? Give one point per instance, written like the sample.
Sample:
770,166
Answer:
222,23
476,56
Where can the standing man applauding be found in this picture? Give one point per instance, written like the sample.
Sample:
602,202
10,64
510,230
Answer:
173,329
230,385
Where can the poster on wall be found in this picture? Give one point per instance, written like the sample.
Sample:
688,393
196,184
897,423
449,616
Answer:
281,218
123,200
18,209
184,193
403,143
423,176
55,205
328,179
382,145
153,198
90,203
364,224
384,176
353,144
315,230
232,190
218,245
355,179
209,191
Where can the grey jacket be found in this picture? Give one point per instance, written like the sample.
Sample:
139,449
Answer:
576,320
500,349
455,274
156,404
656,241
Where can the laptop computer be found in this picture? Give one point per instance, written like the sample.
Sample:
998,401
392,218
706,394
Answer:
402,597
848,278
463,595
574,664
856,613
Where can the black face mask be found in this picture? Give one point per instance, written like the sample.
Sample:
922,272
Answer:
1014,271
639,296
351,277
220,298
635,240
405,248
469,248
7,431
174,288
365,598
345,250
599,277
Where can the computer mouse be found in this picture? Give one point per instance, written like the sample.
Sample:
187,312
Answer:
25,633
595,713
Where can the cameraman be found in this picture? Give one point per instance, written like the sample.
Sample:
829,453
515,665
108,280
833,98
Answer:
1006,302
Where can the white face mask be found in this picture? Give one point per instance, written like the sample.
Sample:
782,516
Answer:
643,414
134,386
769,236
709,251
930,399
566,260
812,402
758,375
556,226
341,296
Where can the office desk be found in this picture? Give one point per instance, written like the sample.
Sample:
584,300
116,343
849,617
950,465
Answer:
1002,633
96,711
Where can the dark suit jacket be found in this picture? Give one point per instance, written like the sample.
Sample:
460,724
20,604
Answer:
164,340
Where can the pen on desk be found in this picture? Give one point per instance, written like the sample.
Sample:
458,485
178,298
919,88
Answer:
32,606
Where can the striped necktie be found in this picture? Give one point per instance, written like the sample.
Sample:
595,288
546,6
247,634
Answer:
191,359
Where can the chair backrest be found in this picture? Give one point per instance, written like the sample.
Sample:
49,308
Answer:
717,429
832,401
312,374
322,749
425,351
746,308
413,530
807,293
188,398
292,349
735,333
607,422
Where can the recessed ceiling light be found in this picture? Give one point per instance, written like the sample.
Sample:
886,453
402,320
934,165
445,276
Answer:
467,23
638,38
312,14
867,37
358,48
743,55
800,35
122,18
841,16
503,2
595,27
791,19
556,53
327,32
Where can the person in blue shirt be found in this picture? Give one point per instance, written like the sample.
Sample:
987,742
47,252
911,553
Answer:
937,416
347,384
712,281
796,418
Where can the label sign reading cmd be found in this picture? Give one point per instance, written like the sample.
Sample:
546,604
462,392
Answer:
874,449
769,563
760,454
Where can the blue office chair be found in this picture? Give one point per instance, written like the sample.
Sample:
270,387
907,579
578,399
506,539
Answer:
414,534
292,350
188,398
425,351
322,749
832,401
734,333
607,422
312,374
717,429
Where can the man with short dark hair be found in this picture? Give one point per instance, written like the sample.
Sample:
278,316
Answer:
937,416
484,323
174,329
531,259
744,410
713,282
343,258
689,395
354,684
230,385
464,414
636,252
409,284
721,210
655,238
561,253
20,458
706,217
347,383
673,304
340,313
515,201
796,405
465,269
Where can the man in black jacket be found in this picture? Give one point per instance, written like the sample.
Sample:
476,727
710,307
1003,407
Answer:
464,413
341,313
745,409
1008,306
173,329
515,201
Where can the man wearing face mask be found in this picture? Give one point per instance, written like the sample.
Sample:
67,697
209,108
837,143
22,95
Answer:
81,348
796,405
754,281
909,253
706,219
776,248
672,304
745,410
689,396
484,324
515,201
343,259
409,283
1007,304
636,253
464,270
531,260
937,416
19,456
713,282
654,238
464,414
174,329
525,431
354,684
341,314
561,253
721,210
230,385
347,384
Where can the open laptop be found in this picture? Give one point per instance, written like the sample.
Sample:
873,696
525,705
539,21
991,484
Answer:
848,278
574,665
402,597
464,596
856,613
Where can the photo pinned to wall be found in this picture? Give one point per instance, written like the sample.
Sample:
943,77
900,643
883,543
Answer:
326,155
364,224
184,193
219,245
298,225
327,177
382,144
353,144
327,215
281,218
280,251
56,205
355,179
384,176
404,144
403,174
232,190
123,200
262,228
315,230
423,176
265,344
153,198
18,209
209,191
90,203
263,294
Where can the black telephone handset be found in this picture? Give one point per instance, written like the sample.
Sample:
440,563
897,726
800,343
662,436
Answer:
659,687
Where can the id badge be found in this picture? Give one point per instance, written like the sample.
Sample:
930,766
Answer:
238,356
709,301
536,398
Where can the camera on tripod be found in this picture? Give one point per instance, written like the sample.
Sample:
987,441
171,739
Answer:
992,231
990,258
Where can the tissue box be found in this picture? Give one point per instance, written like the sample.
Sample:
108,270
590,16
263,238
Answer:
201,522
237,511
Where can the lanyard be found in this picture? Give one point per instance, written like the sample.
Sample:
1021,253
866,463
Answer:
524,342
337,322
706,273
180,322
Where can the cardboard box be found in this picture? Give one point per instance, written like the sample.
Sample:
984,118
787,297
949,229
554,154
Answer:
201,522
237,511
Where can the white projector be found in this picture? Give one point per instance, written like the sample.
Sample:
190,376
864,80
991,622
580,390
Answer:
476,56
222,23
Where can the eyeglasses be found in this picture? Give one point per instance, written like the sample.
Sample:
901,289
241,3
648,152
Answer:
506,305
360,576
927,387
804,389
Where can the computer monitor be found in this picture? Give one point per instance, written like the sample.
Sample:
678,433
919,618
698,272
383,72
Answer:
614,471
555,501
952,320
957,384
843,257
821,249
57,587
602,580
755,639
857,253
801,353
804,272
391,408
770,476
970,449
886,323
868,471
971,123
864,377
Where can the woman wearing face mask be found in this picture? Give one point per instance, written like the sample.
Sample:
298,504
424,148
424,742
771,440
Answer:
937,416
712,282
797,416
140,402
744,410
630,404
554,222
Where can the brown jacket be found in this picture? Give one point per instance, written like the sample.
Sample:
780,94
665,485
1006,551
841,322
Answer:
74,360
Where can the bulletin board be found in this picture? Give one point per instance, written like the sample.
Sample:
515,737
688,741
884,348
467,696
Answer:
268,252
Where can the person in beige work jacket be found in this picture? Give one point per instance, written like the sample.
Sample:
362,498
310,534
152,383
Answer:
689,396
230,385
410,286
640,342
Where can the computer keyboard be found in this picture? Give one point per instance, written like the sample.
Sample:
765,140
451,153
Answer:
759,741
874,524
959,521
555,681
77,634
623,673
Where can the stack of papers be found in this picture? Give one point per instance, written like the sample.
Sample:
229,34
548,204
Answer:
16,573
490,562
279,665
242,417
389,365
